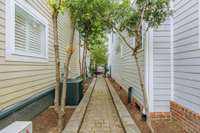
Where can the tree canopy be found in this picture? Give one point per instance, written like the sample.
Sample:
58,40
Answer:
86,22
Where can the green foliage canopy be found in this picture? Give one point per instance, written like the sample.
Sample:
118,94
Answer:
86,20
150,12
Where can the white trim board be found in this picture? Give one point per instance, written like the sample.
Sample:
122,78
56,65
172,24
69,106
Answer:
148,66
199,21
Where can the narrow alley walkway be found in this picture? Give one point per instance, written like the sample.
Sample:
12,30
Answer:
101,115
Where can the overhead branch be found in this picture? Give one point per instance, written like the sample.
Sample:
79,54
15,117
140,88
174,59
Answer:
123,38
142,15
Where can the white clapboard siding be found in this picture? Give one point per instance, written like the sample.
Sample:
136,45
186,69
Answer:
161,67
2,27
124,69
21,80
187,54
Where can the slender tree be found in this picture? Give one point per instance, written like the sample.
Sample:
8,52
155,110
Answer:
79,54
146,14
55,9
69,52
84,67
57,6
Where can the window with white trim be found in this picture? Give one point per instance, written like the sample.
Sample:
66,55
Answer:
26,31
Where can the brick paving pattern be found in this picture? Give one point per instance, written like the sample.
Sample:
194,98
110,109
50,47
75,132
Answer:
101,115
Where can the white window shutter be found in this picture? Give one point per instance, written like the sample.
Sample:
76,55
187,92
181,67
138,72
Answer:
20,33
34,39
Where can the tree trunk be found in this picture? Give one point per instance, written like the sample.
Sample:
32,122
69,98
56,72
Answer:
141,84
60,123
69,52
79,50
84,60
57,59
144,94
141,80
66,69
82,65
85,72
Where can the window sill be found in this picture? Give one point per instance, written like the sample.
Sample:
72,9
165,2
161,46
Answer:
24,58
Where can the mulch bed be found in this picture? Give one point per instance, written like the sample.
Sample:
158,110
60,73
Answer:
46,122
160,126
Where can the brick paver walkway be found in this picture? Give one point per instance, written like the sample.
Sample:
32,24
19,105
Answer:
101,115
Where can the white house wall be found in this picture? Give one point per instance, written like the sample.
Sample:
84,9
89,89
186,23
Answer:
186,59
187,54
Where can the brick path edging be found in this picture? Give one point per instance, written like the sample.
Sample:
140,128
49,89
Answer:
74,124
127,122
